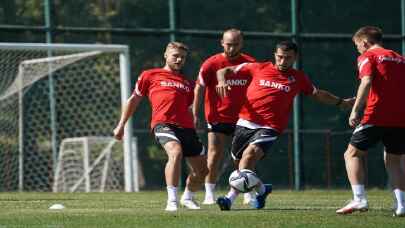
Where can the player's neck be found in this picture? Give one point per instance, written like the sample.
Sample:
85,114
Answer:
166,67
374,46
231,58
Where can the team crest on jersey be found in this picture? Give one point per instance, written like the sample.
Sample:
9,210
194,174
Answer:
291,79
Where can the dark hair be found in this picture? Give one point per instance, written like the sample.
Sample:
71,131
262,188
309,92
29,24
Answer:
373,34
287,45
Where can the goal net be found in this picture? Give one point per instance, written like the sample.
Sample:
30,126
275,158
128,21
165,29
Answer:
55,99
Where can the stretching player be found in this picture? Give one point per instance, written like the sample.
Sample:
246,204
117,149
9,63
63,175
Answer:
170,95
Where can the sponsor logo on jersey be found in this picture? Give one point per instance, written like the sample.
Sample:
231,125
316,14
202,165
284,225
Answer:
236,82
382,58
275,85
175,84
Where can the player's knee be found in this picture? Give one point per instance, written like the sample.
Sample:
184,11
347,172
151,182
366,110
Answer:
200,172
352,152
212,162
257,152
174,155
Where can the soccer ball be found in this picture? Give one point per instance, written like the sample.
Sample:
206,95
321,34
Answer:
243,180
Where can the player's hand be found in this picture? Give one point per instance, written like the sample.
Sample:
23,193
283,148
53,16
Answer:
222,89
354,119
347,103
118,132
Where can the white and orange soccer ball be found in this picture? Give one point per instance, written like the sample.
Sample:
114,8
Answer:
243,180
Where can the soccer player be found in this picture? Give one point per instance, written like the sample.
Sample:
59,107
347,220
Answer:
171,95
265,113
221,115
379,98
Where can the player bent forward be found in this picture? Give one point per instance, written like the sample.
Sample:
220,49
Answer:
380,94
170,95
265,113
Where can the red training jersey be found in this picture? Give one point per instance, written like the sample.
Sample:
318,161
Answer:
170,95
225,110
384,103
271,93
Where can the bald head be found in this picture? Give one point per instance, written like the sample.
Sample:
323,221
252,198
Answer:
232,42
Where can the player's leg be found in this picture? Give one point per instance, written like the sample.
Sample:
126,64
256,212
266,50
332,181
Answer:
166,136
364,136
239,142
249,146
393,167
394,151
216,144
197,171
172,172
196,158
260,143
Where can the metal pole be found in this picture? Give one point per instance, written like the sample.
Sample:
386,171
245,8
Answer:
403,25
297,104
131,173
52,104
172,19
21,131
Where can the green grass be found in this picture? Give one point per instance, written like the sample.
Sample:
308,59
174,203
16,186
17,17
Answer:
311,208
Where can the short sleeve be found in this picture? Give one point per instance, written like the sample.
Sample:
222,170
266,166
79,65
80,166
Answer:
365,66
204,74
307,87
142,85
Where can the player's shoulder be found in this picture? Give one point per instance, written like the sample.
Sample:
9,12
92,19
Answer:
262,65
214,59
248,58
372,53
152,72
298,74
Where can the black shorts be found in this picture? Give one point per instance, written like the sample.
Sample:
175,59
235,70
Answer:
366,136
187,137
262,137
224,128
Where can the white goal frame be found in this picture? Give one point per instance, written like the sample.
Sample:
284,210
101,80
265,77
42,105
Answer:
130,154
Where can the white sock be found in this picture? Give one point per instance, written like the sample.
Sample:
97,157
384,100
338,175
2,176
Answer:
358,192
232,194
209,190
399,196
171,193
188,195
249,195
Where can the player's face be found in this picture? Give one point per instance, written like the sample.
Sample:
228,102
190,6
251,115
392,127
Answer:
232,44
284,59
175,58
361,45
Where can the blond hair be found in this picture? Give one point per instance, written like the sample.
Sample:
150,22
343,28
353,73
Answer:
176,45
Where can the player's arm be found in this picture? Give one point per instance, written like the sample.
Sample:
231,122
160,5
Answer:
222,87
361,98
198,96
326,97
127,110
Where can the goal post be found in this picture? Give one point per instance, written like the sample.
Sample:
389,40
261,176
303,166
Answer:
90,83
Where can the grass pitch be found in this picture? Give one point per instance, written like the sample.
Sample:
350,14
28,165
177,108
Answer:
310,208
